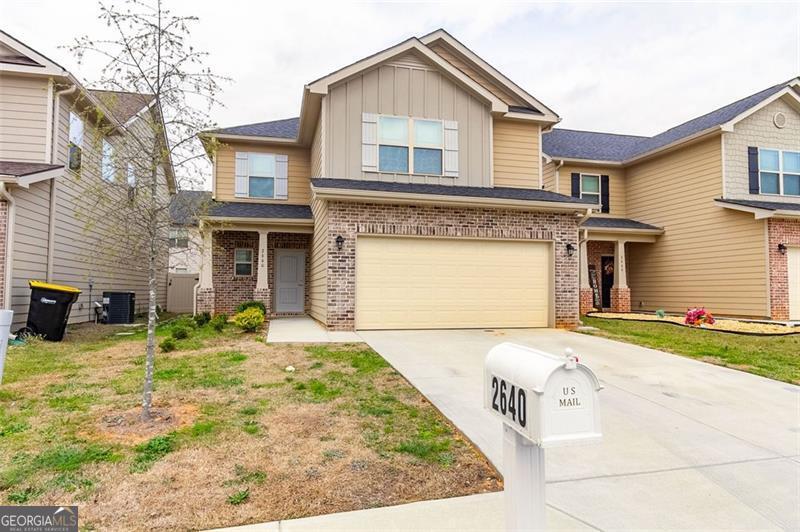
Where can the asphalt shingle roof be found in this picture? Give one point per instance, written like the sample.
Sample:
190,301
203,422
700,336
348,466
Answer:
524,194
187,205
616,223
282,129
258,210
123,105
18,169
768,205
612,147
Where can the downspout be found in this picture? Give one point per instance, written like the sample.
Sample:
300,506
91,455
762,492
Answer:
51,226
10,215
558,176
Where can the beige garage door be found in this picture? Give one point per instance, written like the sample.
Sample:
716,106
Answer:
794,283
428,283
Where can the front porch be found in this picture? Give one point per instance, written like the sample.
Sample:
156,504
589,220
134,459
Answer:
604,263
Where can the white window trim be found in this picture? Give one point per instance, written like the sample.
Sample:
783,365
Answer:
780,173
274,177
235,262
410,144
599,192
70,132
109,179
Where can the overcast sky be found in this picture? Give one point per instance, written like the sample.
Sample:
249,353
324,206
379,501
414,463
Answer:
620,67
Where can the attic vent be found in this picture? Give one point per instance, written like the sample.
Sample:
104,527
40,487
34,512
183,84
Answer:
779,119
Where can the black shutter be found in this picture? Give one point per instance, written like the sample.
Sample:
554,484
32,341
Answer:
604,205
576,185
752,169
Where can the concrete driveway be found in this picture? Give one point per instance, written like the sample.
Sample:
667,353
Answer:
687,445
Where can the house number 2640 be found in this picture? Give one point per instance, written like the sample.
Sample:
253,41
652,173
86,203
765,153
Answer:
509,400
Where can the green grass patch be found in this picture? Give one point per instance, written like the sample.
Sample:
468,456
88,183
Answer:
240,497
249,411
775,357
151,451
316,391
362,360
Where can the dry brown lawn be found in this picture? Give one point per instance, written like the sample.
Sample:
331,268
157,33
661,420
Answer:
237,438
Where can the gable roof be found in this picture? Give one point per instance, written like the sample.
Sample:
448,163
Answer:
123,105
621,148
187,205
285,128
20,57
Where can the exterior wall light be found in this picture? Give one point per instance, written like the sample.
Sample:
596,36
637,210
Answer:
339,242
782,248
570,250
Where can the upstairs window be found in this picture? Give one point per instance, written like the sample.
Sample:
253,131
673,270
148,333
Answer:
179,238
410,146
130,175
261,175
75,141
590,187
107,163
779,172
243,262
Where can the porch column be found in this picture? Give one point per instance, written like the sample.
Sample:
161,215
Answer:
620,293
262,291
586,294
204,301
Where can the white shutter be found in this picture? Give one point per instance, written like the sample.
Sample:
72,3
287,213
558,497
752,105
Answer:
450,148
281,177
242,184
369,142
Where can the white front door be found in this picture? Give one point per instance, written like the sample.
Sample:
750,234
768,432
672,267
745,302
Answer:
794,283
290,280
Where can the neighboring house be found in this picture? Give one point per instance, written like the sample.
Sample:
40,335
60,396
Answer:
52,157
706,213
408,194
184,235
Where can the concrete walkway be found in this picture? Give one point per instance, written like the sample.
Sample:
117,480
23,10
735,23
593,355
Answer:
475,512
305,330
687,445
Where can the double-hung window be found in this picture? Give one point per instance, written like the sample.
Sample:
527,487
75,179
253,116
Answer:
75,141
410,145
107,164
590,187
179,238
261,175
243,262
779,172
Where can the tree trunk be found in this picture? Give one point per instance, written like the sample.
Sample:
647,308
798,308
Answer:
152,272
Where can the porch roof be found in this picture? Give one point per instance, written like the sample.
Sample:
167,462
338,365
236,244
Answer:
762,209
599,222
271,211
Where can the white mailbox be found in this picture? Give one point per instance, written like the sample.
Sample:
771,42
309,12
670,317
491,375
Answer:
551,400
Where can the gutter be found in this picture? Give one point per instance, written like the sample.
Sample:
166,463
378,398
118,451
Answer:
10,216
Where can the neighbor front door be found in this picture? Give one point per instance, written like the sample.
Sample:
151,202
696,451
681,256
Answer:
607,279
290,280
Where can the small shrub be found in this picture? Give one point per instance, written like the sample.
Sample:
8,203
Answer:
168,344
179,332
249,320
202,318
251,304
660,314
219,322
239,497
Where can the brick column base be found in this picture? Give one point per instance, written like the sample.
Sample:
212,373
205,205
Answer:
587,300
620,299
265,296
205,300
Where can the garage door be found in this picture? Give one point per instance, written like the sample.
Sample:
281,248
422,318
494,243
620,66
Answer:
425,283
794,283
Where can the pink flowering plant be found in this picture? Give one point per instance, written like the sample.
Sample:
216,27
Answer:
698,316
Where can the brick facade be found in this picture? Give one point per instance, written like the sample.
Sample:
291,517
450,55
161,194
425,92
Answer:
229,289
351,219
785,232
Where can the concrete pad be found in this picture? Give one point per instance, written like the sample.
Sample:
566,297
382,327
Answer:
686,444
305,330
474,512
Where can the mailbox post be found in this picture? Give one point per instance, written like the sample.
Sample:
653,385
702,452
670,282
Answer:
544,401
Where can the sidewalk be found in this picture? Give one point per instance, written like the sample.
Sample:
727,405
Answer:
473,512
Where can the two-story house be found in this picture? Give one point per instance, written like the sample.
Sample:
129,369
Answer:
706,213
58,147
407,194
421,188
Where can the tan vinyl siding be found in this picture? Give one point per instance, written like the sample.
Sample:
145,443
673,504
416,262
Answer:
23,118
318,269
455,59
516,154
299,172
405,91
708,256
549,176
616,183
78,253
318,148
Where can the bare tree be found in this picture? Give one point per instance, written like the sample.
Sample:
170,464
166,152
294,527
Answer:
148,57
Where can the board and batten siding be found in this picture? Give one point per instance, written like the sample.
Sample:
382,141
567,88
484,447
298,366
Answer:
299,172
23,118
406,87
617,196
707,256
318,148
78,251
516,153
318,269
